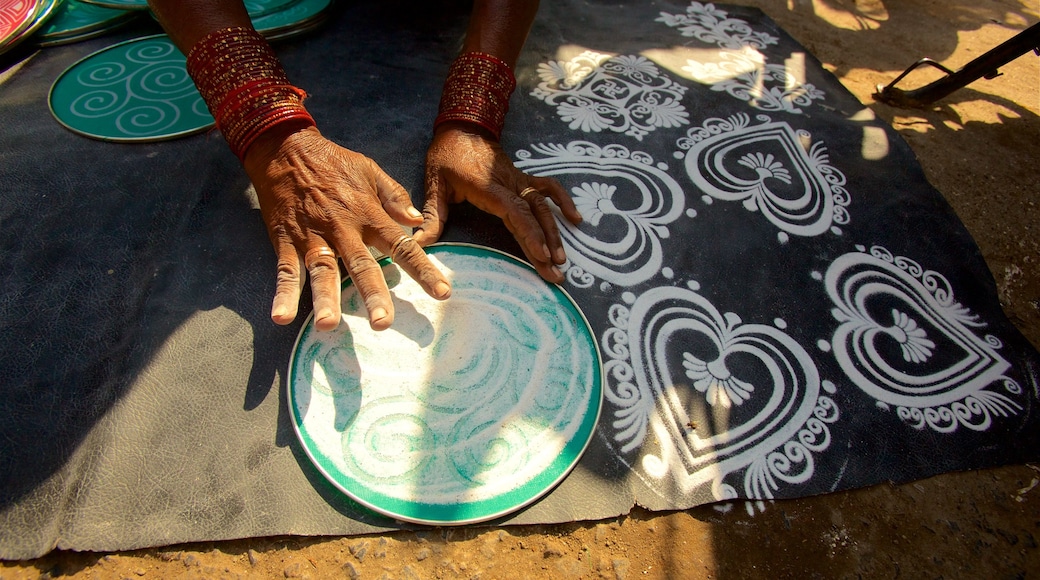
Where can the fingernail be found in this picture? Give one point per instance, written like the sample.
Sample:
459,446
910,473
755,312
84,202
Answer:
560,256
378,314
323,315
441,290
279,311
414,212
545,251
556,272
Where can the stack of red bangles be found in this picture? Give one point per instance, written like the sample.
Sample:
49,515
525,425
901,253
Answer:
244,86
477,90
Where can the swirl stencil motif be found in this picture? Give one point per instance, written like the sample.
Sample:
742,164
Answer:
718,395
461,403
771,169
707,23
627,201
623,94
904,340
135,90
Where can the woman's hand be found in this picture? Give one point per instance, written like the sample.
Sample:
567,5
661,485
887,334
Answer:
316,196
465,164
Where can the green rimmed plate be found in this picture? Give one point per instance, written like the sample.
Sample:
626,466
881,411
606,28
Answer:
120,4
300,14
258,8
138,90
75,19
464,410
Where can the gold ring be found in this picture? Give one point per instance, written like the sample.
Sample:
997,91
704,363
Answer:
319,252
396,246
528,191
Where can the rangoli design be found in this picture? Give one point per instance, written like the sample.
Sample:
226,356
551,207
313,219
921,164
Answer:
770,168
623,94
905,341
720,396
627,201
745,75
707,23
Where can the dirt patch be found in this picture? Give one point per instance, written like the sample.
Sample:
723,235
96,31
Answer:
980,148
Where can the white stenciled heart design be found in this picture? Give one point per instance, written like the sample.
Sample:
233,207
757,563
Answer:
697,396
907,343
627,201
772,169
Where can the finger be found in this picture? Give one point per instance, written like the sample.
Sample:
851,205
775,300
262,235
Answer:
395,199
368,279
435,209
547,221
554,191
409,255
289,282
323,270
521,221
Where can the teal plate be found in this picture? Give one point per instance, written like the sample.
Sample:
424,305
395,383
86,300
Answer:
120,4
257,8
462,411
137,90
75,18
296,15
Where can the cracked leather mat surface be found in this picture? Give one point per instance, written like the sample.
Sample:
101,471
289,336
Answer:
785,306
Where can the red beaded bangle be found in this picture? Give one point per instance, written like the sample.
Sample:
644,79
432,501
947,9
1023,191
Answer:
477,90
244,86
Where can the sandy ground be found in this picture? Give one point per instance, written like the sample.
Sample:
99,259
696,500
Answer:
981,148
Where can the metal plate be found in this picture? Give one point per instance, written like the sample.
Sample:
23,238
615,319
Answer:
464,410
137,90
73,18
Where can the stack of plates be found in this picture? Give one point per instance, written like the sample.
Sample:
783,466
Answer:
21,18
120,4
74,21
298,17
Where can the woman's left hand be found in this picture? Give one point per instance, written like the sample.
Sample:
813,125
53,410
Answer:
465,164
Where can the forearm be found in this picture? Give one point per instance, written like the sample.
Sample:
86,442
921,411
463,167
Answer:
188,21
500,27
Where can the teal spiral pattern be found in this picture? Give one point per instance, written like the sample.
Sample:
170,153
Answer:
133,91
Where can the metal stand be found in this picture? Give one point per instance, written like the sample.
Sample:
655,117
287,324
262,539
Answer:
984,66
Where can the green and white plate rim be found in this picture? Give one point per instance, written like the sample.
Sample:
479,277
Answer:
550,445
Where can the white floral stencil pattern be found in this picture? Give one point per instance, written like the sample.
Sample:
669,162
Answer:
624,94
906,342
707,23
745,75
750,399
769,169
627,202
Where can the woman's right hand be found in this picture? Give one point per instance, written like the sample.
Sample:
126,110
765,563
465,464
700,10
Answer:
315,195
